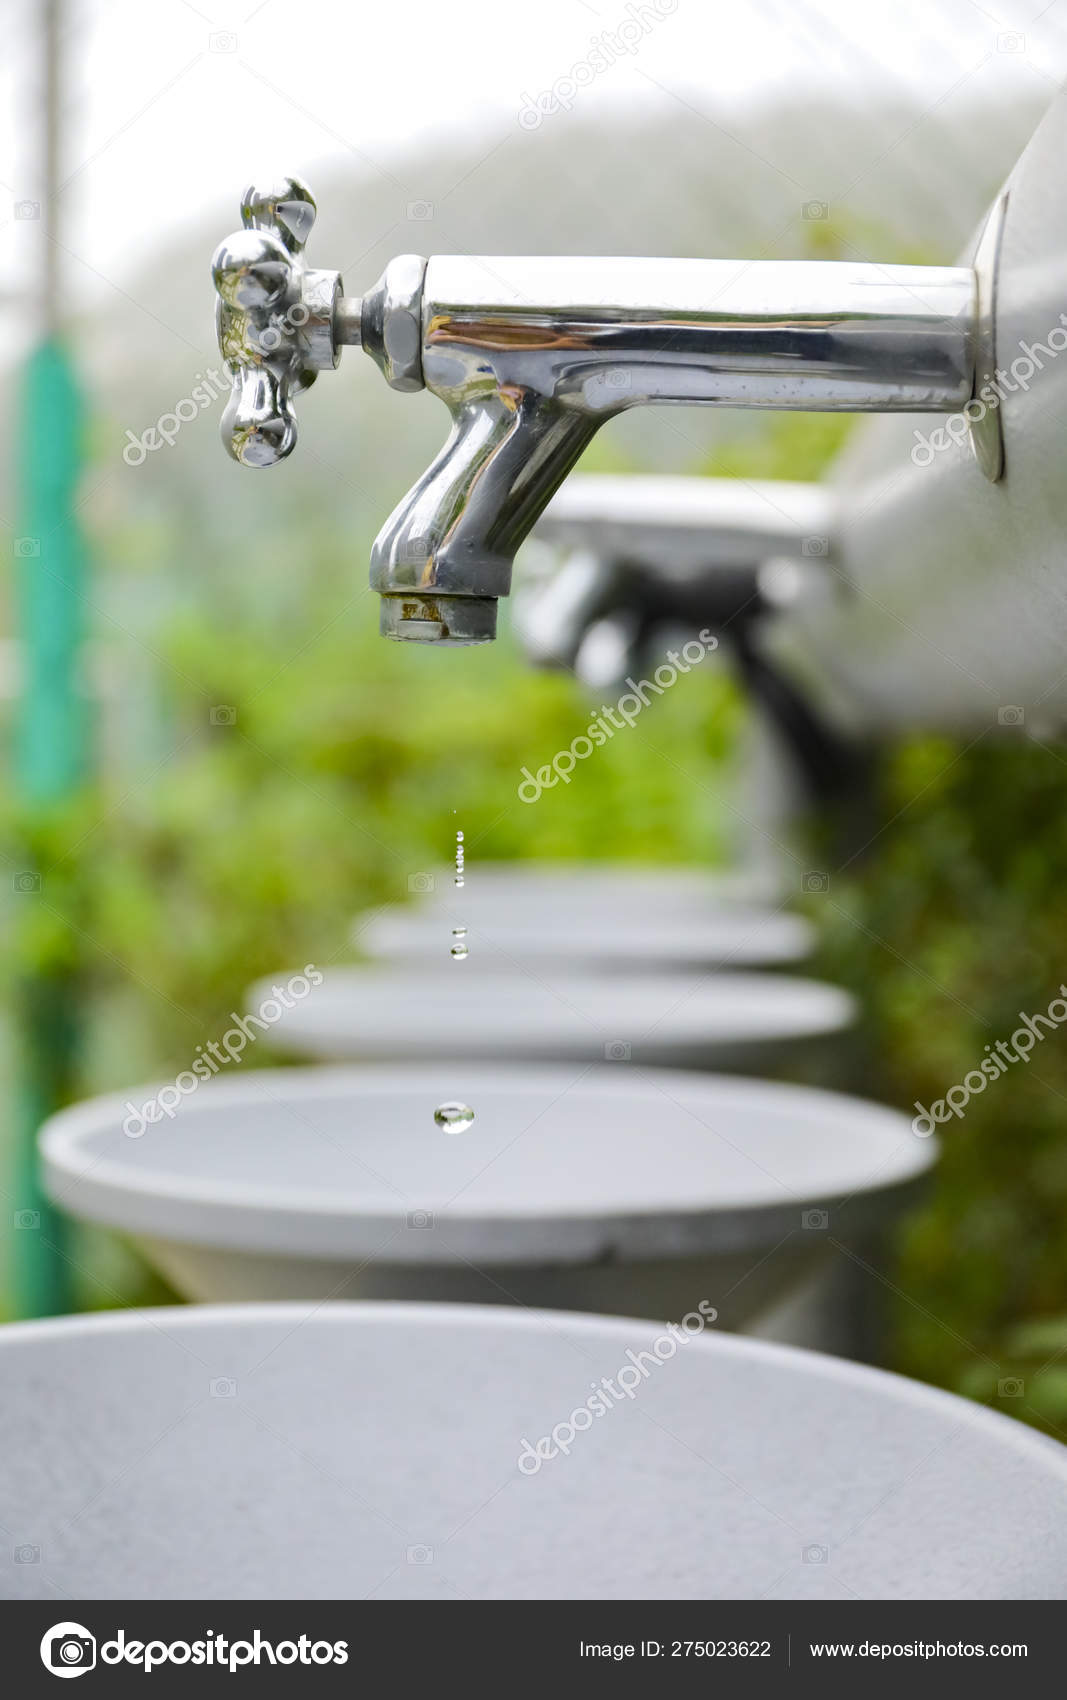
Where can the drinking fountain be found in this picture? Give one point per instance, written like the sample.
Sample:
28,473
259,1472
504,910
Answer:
612,1190
347,1452
531,355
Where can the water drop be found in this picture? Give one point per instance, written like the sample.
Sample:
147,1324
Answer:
454,1118
459,881
460,952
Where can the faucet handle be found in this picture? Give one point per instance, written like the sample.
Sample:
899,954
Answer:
278,321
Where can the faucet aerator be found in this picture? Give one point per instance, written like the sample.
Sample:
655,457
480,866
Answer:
457,621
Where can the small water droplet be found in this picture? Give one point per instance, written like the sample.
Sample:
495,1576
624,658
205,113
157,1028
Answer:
454,1118
459,835
460,952
458,880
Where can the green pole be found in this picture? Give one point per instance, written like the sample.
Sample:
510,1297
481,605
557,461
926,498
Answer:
50,766
51,744
51,739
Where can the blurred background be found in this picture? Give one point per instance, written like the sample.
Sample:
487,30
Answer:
241,764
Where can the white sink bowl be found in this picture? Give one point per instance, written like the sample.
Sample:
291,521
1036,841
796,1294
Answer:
535,934
355,1451
738,1021
602,1190
580,890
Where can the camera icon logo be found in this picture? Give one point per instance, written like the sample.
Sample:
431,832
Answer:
617,1050
26,881
420,884
223,41
420,209
421,1219
815,1555
223,714
815,548
68,1649
1011,714
1011,42
414,551
420,1555
27,1554
817,1220
1012,1387
26,210
816,209
223,1387
27,1218
814,881
618,379
27,548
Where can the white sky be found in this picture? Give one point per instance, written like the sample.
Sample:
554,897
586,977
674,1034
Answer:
176,105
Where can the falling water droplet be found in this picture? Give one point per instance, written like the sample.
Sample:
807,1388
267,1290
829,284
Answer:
459,879
460,952
454,1118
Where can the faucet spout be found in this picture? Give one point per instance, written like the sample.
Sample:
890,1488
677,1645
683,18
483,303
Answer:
444,556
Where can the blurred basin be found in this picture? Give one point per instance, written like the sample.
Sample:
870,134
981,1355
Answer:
278,1452
580,890
739,937
739,1021
604,1191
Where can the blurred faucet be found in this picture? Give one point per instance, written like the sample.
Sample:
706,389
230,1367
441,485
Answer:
641,553
644,556
532,355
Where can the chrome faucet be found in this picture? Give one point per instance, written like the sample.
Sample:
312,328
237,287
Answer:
532,355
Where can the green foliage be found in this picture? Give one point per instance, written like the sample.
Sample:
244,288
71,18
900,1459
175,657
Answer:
951,928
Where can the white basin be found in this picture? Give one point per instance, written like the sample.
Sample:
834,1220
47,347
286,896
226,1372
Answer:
609,1190
738,1021
354,1451
534,933
577,890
